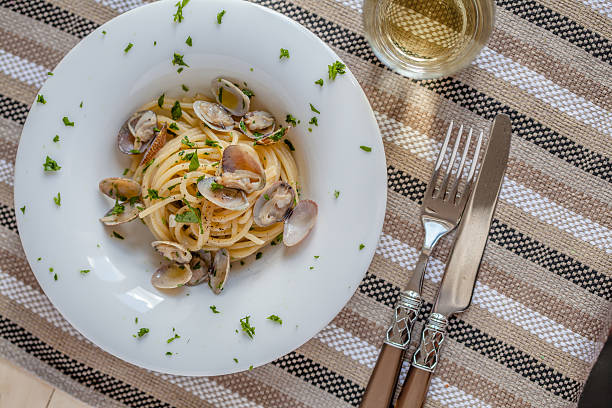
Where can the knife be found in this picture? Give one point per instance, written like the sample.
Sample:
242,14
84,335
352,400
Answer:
459,279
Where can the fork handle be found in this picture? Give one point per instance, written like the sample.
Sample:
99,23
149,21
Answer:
424,362
381,387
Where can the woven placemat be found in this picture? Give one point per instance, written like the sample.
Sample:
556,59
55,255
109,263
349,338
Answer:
542,307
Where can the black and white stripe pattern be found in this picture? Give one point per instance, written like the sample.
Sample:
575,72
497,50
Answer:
517,243
52,15
321,377
97,381
7,217
13,110
561,26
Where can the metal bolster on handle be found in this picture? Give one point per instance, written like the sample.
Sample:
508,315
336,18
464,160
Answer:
406,313
427,355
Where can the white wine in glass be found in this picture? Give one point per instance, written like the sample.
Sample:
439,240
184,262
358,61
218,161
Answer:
427,38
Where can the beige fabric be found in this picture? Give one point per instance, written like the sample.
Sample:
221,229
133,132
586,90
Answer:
542,306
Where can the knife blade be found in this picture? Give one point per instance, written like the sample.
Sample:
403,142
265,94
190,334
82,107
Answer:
459,279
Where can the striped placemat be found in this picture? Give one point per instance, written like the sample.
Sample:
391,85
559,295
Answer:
542,307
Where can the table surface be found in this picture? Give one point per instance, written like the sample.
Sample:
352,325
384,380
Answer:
542,308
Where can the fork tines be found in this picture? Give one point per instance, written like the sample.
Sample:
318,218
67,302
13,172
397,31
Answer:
454,171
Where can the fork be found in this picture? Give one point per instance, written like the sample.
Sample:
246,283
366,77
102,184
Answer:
441,211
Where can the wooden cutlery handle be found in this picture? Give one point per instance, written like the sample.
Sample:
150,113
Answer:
381,386
415,388
424,362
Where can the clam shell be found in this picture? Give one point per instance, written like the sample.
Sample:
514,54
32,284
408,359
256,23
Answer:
230,96
119,188
200,268
172,251
224,197
274,204
171,276
219,271
300,222
241,169
214,115
156,145
129,213
136,133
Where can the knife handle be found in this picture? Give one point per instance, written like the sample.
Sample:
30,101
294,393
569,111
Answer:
424,362
381,387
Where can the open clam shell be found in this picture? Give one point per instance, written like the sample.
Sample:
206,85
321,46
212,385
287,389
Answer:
156,144
172,251
214,115
274,205
229,198
122,213
257,124
230,96
300,222
200,268
241,169
219,271
120,188
137,132
171,276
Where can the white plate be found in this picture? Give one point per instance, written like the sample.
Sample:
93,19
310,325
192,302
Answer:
111,83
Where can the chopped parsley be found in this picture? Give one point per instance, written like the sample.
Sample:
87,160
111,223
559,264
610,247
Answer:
214,309
275,318
188,217
361,246
235,360
178,16
125,171
81,104
189,41
117,235
154,194
58,200
194,164
41,99
366,148
56,138
278,135
103,32
51,270
177,59
50,73
172,186
283,53
176,111
216,186
288,143
178,71
310,129
258,255
67,121
220,16
337,68
141,332
248,92
250,367
39,259
128,47
118,208
314,121
168,353
173,126
267,197
336,193
85,272
291,119
154,43
136,320
55,276
160,100
246,326
171,339
186,142
185,88
311,268
148,165
315,110
212,143
23,209
319,82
